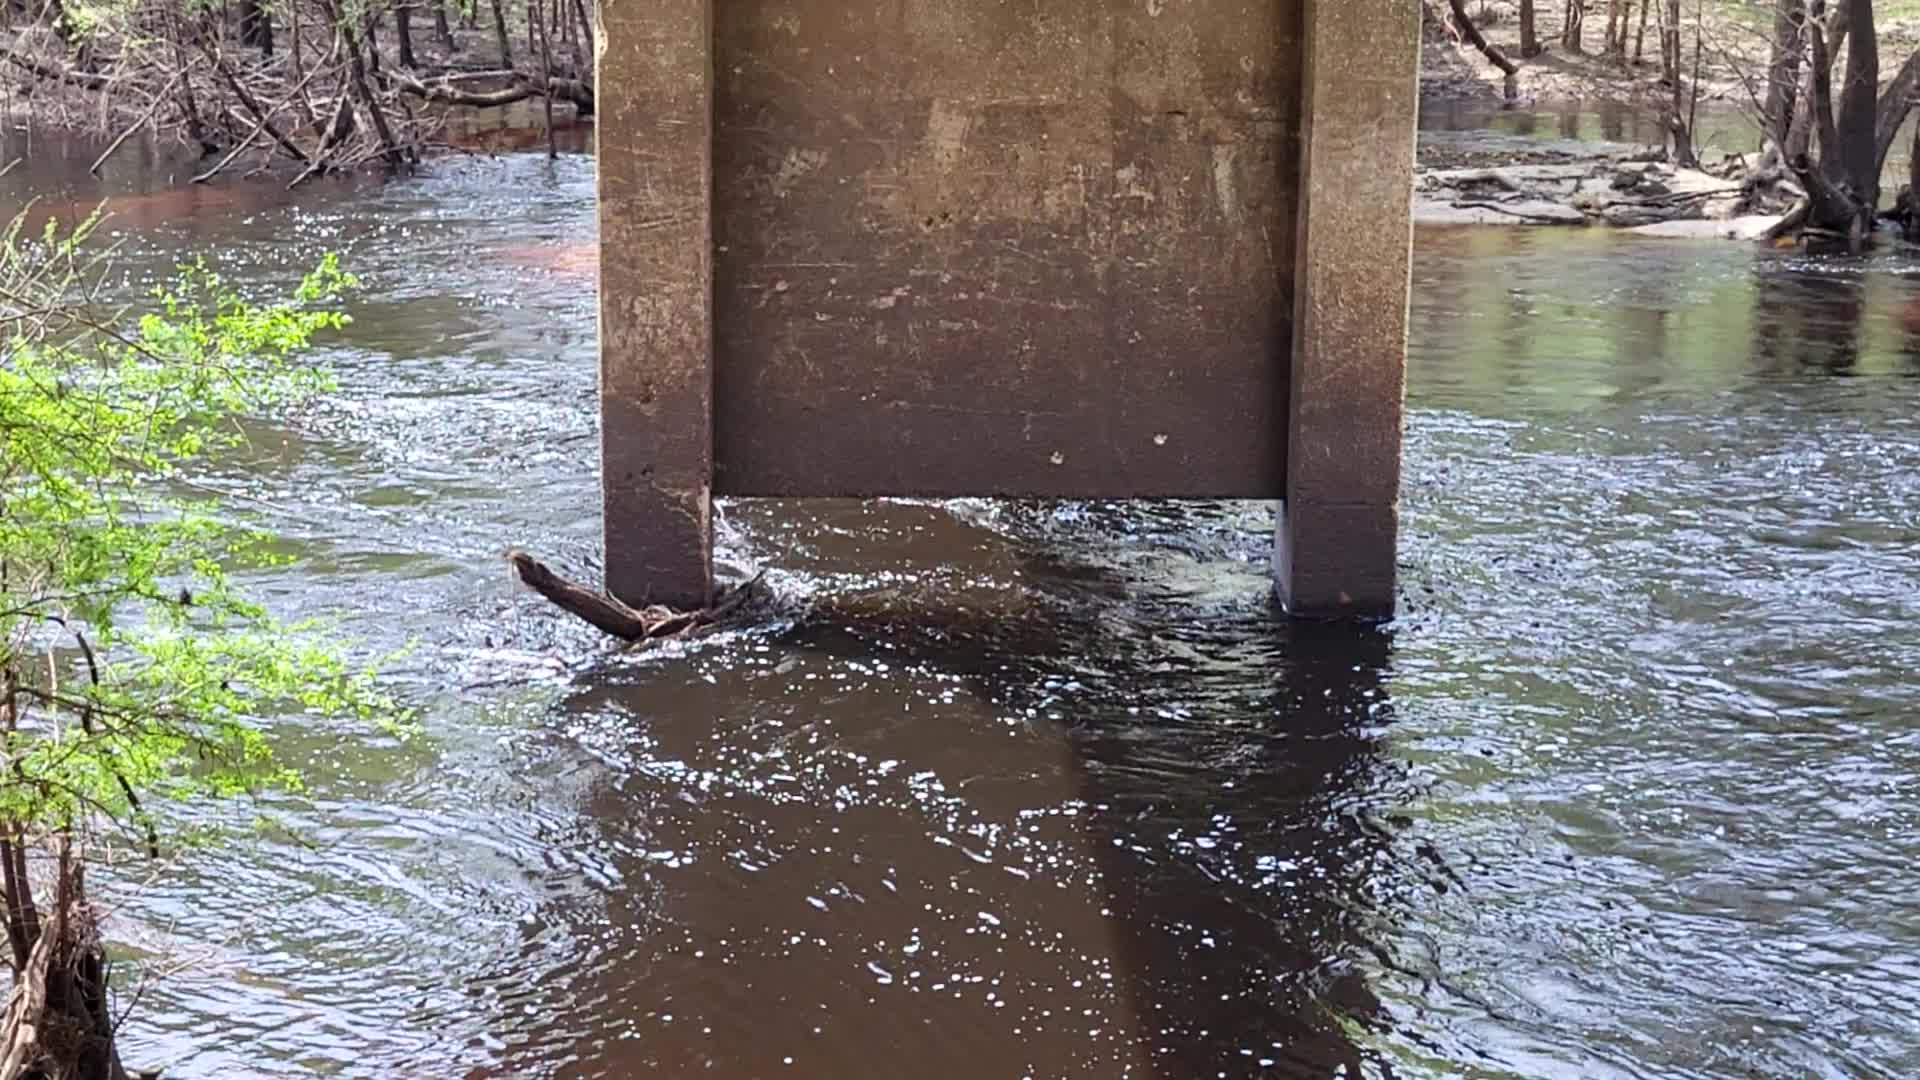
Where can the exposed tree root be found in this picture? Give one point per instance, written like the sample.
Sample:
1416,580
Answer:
57,1024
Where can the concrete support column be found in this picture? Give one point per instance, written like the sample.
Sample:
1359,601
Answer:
1337,537
654,72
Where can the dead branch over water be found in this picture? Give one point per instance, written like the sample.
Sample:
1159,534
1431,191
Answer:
314,86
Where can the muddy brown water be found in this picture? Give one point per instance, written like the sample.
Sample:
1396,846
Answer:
1629,790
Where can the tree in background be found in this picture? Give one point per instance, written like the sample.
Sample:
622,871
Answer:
1683,101
1573,30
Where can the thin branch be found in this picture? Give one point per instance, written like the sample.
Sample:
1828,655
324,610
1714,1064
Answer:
252,106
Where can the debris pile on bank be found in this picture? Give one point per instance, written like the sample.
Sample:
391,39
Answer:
1643,192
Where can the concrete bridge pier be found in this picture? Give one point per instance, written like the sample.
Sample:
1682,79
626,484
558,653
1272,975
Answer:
1085,249
1337,536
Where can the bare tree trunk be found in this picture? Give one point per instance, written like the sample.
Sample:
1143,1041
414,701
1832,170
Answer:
189,107
441,30
586,34
546,64
1616,29
1670,42
299,61
256,26
1575,27
403,32
1896,102
500,29
1830,206
1673,70
1859,111
1640,40
1913,187
1529,34
1821,105
357,70
1833,23
372,35
1783,76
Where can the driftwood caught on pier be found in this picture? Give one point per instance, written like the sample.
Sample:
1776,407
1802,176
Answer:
654,623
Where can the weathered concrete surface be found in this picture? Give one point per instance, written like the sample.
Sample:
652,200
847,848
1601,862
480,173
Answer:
968,247
656,314
1335,546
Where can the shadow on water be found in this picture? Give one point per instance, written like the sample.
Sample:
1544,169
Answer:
1225,972
1079,828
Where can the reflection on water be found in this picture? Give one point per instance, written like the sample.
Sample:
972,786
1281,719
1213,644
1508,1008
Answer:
1807,320
1020,790
1718,126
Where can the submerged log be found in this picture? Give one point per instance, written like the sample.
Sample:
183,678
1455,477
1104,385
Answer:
655,623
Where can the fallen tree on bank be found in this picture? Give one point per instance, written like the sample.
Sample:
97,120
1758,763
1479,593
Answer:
1611,185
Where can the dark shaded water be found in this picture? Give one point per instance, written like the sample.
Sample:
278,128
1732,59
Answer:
1048,791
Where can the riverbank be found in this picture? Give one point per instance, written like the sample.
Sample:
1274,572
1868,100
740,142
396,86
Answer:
1487,178
1479,69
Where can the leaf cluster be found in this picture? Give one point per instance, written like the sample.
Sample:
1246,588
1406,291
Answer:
130,664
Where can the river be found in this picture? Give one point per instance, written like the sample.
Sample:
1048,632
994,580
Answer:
1004,790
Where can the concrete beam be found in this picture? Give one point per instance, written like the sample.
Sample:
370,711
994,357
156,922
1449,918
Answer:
654,71
1337,537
